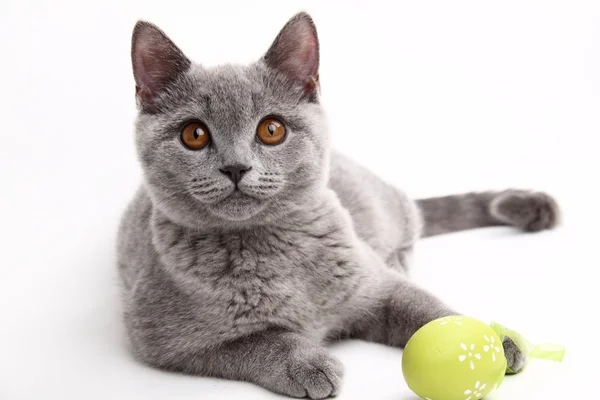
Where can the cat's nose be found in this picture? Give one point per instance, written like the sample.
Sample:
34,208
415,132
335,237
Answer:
235,172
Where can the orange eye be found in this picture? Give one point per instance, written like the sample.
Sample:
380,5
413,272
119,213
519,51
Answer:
195,135
271,131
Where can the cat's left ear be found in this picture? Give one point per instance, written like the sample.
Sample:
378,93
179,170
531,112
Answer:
295,52
157,62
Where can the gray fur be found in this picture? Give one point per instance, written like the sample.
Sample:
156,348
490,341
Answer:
251,284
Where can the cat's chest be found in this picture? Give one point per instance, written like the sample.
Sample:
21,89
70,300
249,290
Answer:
273,276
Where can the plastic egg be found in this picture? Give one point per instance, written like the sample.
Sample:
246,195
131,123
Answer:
454,358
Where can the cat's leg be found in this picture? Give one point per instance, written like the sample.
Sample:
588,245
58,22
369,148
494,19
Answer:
383,216
401,259
283,362
527,210
398,308
171,331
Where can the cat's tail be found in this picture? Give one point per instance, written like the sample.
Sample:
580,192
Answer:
530,211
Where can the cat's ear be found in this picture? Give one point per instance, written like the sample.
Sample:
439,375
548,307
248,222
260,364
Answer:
295,52
157,62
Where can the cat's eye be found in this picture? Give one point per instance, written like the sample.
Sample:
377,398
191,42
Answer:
195,136
271,131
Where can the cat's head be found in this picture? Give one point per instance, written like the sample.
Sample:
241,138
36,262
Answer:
233,143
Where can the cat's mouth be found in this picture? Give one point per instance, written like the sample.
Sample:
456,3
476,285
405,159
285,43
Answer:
238,193
238,205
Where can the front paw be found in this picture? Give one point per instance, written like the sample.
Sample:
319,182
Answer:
515,359
312,373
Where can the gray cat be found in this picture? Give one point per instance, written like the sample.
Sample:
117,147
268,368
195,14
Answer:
250,244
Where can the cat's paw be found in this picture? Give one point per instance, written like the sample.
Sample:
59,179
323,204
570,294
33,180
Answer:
515,359
314,374
530,211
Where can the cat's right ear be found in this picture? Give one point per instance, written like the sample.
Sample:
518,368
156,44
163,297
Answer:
295,52
157,62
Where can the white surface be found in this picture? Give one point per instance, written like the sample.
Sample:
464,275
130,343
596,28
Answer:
437,97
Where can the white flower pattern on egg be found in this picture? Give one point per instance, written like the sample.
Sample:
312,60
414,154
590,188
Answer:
491,346
469,355
477,392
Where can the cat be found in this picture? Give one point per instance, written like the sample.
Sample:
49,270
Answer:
250,244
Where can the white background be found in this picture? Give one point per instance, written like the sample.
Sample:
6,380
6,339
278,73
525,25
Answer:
435,96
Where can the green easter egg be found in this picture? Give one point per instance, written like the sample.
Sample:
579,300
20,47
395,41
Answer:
454,358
